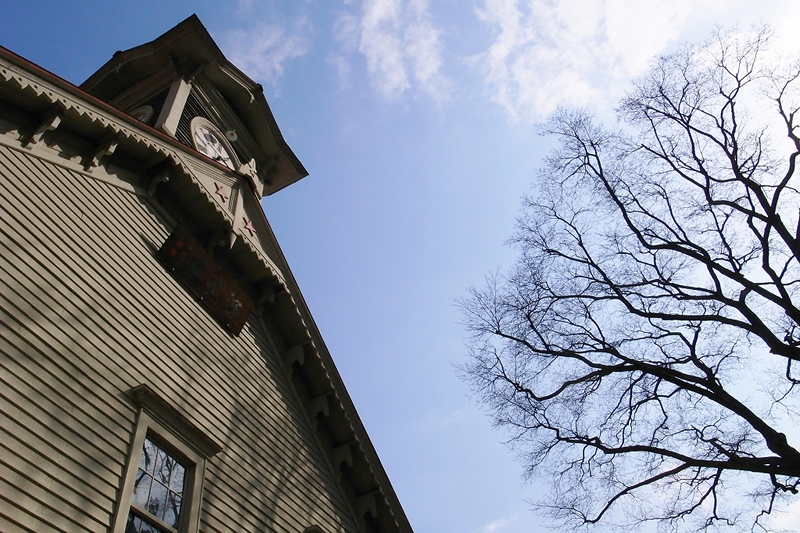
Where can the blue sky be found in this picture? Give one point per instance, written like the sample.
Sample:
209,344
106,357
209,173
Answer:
416,120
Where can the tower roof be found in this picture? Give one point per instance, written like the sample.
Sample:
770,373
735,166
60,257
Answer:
187,51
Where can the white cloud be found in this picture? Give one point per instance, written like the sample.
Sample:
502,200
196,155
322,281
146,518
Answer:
382,45
785,19
344,70
346,31
423,49
785,519
400,44
263,51
496,525
579,52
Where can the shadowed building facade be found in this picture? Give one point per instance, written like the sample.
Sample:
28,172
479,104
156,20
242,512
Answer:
159,369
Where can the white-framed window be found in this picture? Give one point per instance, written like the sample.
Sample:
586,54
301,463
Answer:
163,483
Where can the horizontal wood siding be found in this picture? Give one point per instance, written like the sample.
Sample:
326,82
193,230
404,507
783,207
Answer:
87,313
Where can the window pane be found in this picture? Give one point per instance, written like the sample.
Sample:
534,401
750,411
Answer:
159,463
137,525
133,525
157,500
165,463
173,509
176,481
147,461
158,489
141,488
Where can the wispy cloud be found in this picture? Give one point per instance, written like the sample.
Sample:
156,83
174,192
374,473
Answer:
382,45
400,44
436,419
576,52
423,49
263,51
496,525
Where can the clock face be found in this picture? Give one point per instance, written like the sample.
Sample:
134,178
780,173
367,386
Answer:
207,143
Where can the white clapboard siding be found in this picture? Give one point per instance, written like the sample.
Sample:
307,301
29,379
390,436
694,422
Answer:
89,314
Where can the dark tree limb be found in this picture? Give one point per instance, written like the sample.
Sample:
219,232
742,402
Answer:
656,262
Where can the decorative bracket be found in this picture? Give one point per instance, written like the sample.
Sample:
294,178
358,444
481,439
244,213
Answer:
252,173
295,354
343,454
249,169
221,237
263,175
366,504
104,149
192,75
50,122
161,176
319,405
268,293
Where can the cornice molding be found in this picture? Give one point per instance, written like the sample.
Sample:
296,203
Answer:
167,415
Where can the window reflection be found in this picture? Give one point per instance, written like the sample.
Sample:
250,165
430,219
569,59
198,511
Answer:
158,490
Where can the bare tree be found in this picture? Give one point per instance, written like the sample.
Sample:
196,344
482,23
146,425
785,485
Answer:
644,349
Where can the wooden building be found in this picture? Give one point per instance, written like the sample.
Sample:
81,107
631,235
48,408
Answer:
159,369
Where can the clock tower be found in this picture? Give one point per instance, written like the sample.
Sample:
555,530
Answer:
182,85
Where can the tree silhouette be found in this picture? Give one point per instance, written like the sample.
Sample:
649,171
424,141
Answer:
644,350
